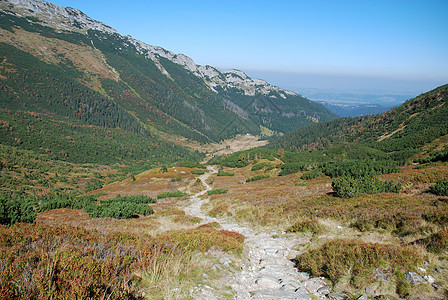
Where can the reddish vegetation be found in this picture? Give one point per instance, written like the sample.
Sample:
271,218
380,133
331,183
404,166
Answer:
46,262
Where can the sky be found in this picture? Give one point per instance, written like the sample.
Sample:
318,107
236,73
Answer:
392,45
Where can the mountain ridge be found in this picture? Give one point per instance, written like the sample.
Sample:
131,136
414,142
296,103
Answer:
164,91
78,21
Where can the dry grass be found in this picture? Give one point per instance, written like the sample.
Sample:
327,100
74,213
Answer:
148,183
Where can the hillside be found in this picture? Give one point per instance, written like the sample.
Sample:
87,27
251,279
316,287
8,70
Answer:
59,63
400,131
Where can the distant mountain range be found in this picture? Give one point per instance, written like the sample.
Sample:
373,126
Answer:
399,131
74,71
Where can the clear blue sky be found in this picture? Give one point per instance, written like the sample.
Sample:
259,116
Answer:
386,41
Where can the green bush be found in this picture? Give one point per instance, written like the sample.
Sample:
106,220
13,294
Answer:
171,194
311,174
16,209
222,173
176,179
360,169
290,168
259,166
257,177
121,207
119,210
440,188
197,172
189,164
217,191
348,187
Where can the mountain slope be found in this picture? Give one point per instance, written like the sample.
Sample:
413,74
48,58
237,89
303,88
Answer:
141,88
399,131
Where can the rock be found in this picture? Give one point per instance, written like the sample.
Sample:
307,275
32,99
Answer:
370,290
288,287
337,296
426,263
225,261
436,285
290,282
421,269
325,290
302,276
429,278
268,283
313,284
363,297
386,297
414,278
277,294
379,274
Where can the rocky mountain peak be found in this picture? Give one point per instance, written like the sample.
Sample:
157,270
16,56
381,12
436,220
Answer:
63,18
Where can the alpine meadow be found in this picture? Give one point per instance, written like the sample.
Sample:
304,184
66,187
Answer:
128,171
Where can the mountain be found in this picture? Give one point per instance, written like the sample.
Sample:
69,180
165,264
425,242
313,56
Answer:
74,72
400,131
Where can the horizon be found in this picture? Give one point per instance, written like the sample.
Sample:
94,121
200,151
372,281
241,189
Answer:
381,45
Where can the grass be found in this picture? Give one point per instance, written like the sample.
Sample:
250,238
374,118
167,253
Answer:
218,211
357,261
171,194
205,237
436,242
308,226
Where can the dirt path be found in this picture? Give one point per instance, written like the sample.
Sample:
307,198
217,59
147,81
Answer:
267,271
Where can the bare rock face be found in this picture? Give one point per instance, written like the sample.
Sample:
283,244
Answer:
64,18
414,278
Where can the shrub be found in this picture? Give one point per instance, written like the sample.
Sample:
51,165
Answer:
440,188
197,172
15,208
438,216
290,168
357,260
360,169
49,262
189,164
217,191
311,226
176,179
93,184
311,174
348,187
119,210
171,194
260,166
222,173
436,242
257,177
